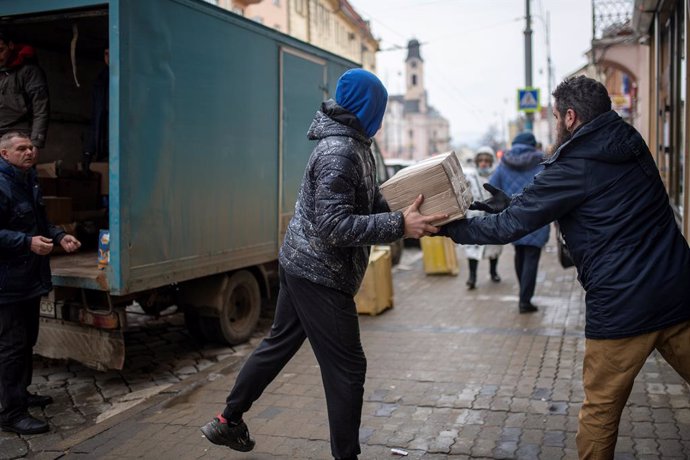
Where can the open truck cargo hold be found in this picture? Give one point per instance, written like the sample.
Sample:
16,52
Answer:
208,114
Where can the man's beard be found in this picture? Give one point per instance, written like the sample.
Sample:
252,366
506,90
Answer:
562,135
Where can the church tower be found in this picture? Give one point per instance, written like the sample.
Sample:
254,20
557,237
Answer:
415,94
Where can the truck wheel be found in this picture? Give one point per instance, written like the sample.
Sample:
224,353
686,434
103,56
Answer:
240,312
194,325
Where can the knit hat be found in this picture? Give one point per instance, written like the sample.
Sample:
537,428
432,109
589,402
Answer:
362,93
525,138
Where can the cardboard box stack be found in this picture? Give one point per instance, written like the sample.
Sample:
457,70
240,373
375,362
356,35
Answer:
440,179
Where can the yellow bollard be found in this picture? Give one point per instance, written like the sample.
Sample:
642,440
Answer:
439,256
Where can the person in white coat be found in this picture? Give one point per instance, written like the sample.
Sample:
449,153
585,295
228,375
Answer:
484,161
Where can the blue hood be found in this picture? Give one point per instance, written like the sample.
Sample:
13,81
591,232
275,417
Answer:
362,93
522,157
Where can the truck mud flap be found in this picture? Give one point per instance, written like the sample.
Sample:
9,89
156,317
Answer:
95,348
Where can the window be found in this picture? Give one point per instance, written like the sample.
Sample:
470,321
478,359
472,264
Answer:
299,7
276,2
413,64
414,80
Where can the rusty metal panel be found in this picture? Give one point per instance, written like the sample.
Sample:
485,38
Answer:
92,347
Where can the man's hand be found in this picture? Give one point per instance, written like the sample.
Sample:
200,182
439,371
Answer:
41,245
70,243
418,225
497,203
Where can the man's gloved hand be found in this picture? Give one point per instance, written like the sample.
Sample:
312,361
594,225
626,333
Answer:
497,203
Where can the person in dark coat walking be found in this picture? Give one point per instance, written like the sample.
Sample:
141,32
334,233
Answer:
24,102
515,171
339,214
26,240
605,191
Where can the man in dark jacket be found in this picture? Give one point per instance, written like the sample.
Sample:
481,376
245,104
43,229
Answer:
515,171
26,239
23,92
603,187
339,214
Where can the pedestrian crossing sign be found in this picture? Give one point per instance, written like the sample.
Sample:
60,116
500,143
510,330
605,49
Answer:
528,100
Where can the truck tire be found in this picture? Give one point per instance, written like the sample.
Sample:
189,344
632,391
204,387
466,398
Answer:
240,312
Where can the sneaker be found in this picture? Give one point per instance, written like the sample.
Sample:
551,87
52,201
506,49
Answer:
222,433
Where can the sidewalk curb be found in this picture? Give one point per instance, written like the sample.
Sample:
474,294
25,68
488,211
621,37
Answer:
179,389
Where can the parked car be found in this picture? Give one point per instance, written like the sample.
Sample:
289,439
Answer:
393,165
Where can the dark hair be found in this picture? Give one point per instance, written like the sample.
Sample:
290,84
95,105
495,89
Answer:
586,96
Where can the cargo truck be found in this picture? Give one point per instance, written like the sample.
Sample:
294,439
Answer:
207,120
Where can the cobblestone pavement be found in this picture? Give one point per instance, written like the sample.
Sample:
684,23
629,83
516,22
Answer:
159,353
452,374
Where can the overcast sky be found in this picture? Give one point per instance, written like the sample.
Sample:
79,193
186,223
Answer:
473,52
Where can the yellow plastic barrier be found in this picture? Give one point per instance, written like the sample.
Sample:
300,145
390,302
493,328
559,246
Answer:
439,256
376,292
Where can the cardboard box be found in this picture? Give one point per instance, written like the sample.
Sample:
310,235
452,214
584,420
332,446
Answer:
47,169
376,292
85,191
48,185
101,168
58,209
439,255
440,179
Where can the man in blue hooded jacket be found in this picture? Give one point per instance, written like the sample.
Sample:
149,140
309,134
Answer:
604,189
515,171
339,214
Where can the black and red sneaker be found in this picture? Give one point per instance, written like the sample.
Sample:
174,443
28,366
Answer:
222,433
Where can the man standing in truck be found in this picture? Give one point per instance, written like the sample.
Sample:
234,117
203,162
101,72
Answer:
26,240
24,101
339,214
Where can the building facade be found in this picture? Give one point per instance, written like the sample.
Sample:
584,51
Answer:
333,25
412,129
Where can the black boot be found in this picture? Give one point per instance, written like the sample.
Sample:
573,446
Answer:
493,263
472,279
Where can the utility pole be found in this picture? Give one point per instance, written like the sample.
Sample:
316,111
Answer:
528,59
549,76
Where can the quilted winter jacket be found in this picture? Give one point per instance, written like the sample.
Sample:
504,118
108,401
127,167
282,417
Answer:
604,189
340,211
23,274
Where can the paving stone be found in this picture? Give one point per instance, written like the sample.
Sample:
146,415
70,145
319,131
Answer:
449,377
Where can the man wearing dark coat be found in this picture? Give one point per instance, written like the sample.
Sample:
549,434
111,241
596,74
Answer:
26,240
24,103
339,214
604,189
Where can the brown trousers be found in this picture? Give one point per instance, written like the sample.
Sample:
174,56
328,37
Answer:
609,370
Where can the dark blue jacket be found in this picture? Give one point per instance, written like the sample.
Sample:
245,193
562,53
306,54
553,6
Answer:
23,274
516,171
340,211
604,189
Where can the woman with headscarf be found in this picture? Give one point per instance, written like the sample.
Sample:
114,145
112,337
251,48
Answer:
484,161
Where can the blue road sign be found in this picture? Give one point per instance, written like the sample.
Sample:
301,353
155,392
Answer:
528,100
